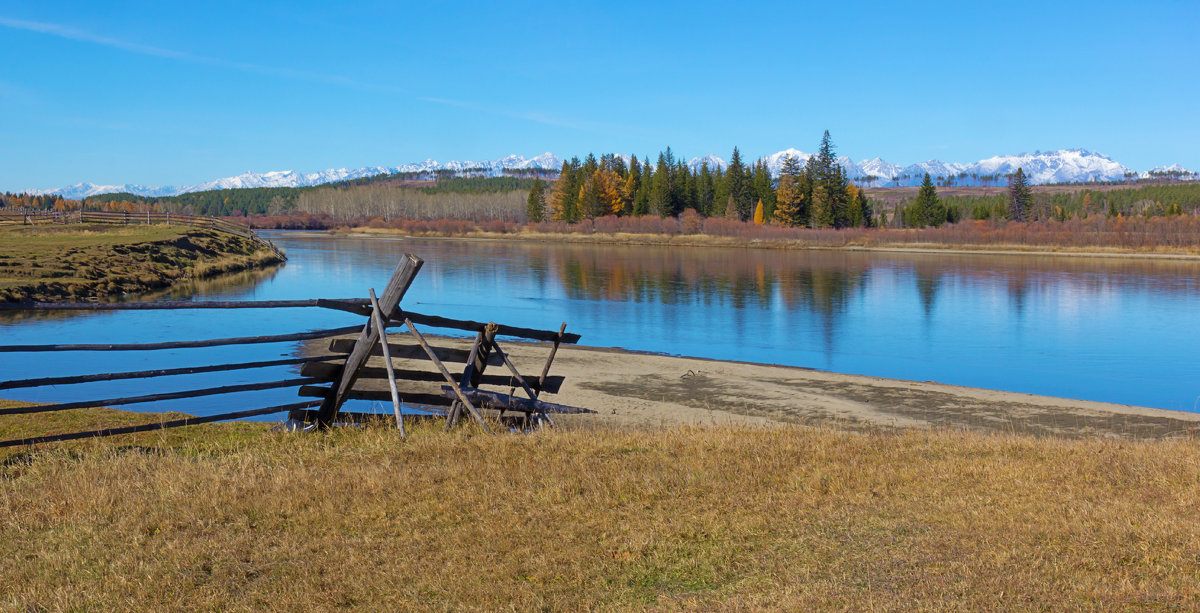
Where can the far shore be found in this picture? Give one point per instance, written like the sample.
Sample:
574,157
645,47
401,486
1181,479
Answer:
701,240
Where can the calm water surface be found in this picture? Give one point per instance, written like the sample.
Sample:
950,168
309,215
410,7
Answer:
1113,330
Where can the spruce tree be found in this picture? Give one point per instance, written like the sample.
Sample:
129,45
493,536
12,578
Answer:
822,207
720,193
926,210
763,188
535,208
661,188
731,210
705,189
789,200
564,196
591,204
864,209
630,187
737,182
1019,196
829,175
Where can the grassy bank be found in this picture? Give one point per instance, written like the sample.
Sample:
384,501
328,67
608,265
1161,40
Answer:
75,262
233,517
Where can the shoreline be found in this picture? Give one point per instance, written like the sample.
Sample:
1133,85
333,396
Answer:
637,390
706,241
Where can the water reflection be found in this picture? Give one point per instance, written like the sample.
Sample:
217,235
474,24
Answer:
1117,330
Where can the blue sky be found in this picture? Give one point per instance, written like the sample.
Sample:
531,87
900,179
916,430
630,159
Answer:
164,93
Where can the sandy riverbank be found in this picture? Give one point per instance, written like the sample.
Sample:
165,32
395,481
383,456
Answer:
634,390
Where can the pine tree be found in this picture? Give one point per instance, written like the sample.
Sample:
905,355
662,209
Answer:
827,174
536,204
590,202
565,194
609,186
1019,196
633,181
927,209
720,193
737,181
864,209
641,202
763,188
731,209
705,189
789,199
661,188
822,207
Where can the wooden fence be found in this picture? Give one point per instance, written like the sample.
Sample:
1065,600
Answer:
340,368
34,216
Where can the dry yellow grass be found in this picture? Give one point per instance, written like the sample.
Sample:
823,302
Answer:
72,262
236,518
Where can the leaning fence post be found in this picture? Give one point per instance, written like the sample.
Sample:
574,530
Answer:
397,286
377,319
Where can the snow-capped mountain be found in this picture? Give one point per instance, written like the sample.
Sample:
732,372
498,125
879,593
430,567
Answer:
1062,166
876,167
714,163
289,178
1174,170
775,160
83,190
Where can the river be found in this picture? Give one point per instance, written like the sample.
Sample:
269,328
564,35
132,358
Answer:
1120,330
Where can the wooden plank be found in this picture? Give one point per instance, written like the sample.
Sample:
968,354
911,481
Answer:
525,386
496,400
405,351
449,379
360,306
216,342
168,305
313,391
502,330
402,278
165,372
550,359
326,371
465,380
387,362
176,423
195,393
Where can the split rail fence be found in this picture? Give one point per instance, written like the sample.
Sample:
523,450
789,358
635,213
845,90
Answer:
330,379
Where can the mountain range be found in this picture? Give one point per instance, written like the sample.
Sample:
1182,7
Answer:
1061,166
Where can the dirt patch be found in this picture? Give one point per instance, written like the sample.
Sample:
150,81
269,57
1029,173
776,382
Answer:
630,389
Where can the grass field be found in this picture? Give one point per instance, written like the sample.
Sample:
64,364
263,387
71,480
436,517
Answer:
59,262
233,517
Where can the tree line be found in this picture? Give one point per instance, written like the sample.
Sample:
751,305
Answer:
1021,203
816,194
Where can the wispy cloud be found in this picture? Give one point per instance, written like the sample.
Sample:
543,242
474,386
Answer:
69,33
75,34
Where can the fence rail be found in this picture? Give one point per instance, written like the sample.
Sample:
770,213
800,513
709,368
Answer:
339,369
32,216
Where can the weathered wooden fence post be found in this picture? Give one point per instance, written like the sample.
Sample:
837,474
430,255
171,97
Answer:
397,286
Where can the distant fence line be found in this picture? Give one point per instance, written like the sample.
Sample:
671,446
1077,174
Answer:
31,216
